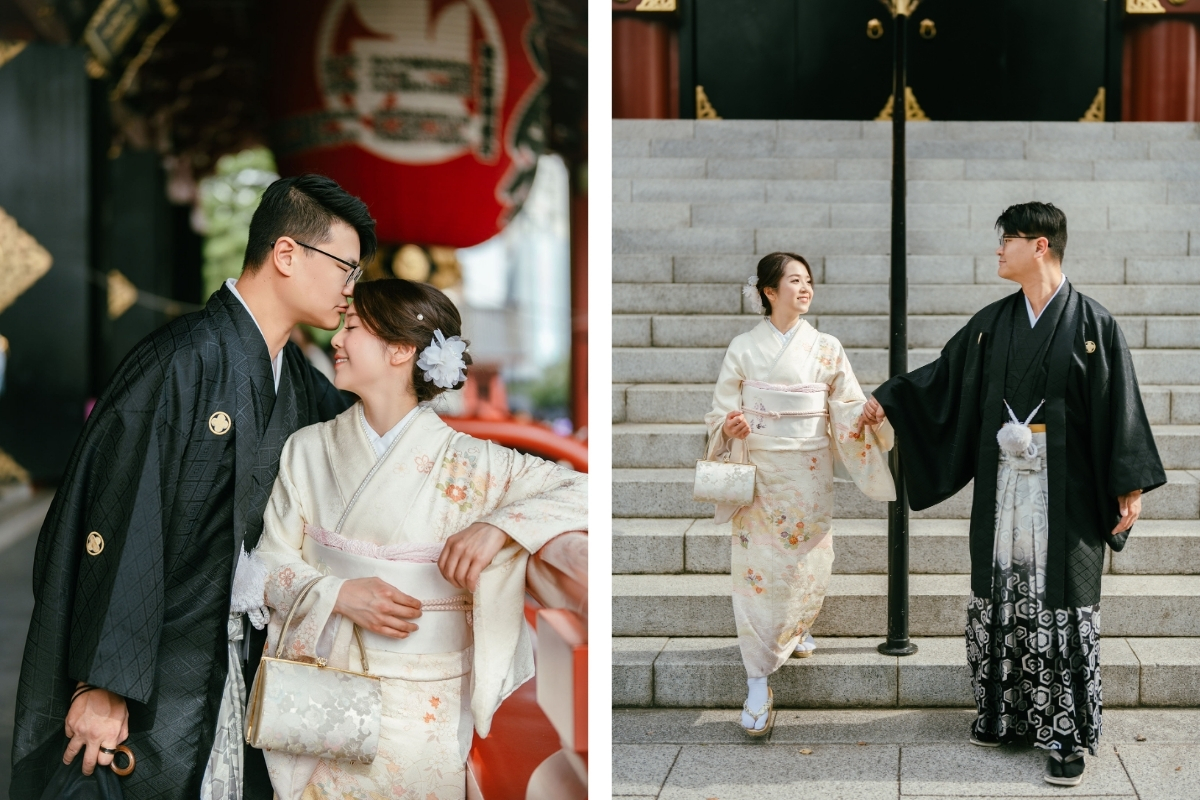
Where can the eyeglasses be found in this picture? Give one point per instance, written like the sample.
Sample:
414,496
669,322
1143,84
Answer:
354,270
1004,239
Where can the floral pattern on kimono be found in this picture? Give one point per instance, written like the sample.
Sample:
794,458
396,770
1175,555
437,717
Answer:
432,484
782,545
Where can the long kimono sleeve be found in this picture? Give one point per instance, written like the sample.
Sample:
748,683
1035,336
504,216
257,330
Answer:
859,447
727,396
539,500
1125,438
288,573
934,411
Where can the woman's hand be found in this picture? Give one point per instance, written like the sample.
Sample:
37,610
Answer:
98,718
469,552
375,605
735,426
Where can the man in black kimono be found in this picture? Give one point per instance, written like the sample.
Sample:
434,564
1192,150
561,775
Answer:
168,483
1035,399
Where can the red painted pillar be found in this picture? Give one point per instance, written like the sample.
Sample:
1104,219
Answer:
1162,70
645,66
579,294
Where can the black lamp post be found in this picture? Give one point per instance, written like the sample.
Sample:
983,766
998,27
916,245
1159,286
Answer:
898,643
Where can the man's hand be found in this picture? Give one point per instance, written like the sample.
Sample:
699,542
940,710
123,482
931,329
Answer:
375,605
735,426
98,718
468,552
1131,509
872,413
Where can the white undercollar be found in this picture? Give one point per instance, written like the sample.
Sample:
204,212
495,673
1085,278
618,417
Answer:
784,337
1033,318
277,361
382,443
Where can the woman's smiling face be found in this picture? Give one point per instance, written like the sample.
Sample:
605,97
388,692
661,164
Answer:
360,358
795,291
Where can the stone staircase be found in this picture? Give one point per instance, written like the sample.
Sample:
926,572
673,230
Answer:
696,204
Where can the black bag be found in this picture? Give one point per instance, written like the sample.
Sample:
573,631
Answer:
69,783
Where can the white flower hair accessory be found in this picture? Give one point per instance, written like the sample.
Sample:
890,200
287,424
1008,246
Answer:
750,291
443,362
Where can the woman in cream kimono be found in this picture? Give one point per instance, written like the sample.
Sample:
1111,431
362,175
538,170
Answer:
787,393
420,536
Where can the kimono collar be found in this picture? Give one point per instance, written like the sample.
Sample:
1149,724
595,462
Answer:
253,344
378,442
277,361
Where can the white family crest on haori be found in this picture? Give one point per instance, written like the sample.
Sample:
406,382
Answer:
443,362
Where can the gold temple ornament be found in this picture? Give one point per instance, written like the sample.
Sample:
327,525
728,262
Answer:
704,107
1144,7
912,109
1095,112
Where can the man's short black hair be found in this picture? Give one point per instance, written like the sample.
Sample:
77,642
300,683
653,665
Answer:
1036,219
305,208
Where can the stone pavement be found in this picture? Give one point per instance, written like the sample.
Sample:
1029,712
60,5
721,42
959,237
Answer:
895,754
21,514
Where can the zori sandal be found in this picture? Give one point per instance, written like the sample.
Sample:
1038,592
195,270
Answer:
768,709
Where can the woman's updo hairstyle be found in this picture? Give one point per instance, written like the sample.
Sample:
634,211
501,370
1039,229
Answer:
770,273
407,312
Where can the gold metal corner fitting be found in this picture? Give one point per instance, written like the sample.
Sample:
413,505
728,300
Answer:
704,107
1144,7
23,260
1095,112
11,471
122,294
656,5
899,7
10,50
912,109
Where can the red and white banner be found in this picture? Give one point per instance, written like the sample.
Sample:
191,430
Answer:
431,111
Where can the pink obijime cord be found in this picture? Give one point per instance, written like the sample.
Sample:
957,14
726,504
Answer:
407,553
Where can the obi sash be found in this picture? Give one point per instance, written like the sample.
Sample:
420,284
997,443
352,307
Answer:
444,625
787,412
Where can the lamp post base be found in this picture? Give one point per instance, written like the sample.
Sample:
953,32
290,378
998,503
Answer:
900,647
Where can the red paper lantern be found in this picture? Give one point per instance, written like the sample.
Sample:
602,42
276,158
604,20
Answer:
431,111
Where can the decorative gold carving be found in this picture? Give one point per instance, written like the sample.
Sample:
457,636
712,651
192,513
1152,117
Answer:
704,107
874,29
219,423
121,294
412,264
912,109
656,5
1144,7
95,544
927,29
1095,112
11,471
22,260
898,7
143,55
10,50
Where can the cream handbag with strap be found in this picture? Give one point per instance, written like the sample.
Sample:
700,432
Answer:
725,482
311,709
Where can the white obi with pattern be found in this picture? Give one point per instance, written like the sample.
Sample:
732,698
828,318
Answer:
797,413
444,625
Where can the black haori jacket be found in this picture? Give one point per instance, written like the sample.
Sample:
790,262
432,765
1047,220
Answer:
173,471
947,414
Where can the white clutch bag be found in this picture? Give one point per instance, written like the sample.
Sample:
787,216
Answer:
312,709
725,482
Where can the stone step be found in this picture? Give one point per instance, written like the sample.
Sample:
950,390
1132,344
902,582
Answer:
861,330
936,547
872,298
856,605
689,402
922,269
848,672
756,237
1154,366
639,445
667,493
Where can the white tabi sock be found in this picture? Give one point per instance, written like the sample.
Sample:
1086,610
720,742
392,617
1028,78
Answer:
756,699
806,644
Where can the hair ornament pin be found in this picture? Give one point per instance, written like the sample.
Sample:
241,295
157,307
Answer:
750,292
443,362
421,317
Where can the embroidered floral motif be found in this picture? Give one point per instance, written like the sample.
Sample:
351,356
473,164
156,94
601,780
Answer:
754,579
424,464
